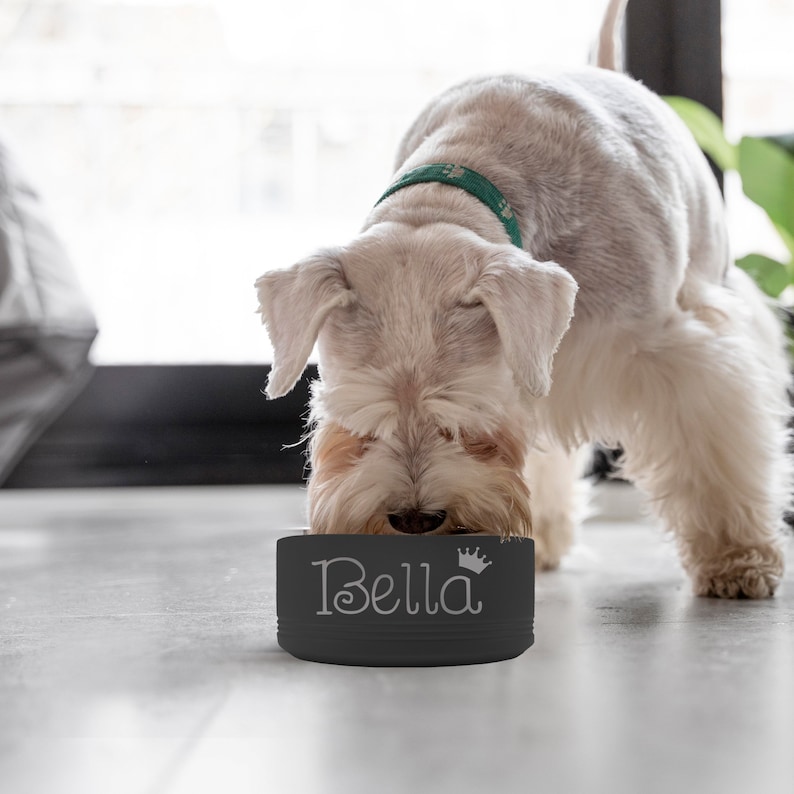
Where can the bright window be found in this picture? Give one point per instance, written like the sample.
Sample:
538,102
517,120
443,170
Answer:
758,63
186,147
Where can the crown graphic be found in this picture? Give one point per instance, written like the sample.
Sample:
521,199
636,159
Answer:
472,562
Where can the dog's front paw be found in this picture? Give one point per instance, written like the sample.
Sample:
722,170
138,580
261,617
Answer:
544,560
745,573
553,537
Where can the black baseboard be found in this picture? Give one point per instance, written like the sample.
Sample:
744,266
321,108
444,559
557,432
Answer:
171,425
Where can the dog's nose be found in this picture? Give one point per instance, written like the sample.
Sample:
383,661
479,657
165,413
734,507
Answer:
415,522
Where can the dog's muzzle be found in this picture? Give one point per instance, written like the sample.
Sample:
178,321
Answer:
415,522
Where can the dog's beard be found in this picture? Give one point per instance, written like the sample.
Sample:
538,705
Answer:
357,482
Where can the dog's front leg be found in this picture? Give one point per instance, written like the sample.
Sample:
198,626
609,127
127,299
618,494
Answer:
557,497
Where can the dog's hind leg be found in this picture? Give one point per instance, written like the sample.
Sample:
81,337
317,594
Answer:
705,408
557,500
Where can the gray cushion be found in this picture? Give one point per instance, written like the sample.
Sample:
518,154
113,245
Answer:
46,324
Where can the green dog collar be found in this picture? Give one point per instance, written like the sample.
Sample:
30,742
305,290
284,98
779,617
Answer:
468,180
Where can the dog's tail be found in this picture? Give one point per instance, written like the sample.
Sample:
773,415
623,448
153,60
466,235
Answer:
609,52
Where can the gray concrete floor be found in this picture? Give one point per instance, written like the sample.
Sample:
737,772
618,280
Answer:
138,655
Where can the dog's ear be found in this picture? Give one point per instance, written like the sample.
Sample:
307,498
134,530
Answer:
294,304
531,304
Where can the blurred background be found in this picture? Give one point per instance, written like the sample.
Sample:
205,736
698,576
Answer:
184,147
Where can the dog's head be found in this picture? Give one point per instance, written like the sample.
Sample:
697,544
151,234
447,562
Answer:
432,342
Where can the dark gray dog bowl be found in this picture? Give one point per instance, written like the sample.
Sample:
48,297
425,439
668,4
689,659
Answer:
405,601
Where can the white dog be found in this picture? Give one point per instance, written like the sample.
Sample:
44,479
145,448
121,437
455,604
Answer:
553,270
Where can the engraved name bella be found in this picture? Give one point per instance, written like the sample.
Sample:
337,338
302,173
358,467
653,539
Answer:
385,594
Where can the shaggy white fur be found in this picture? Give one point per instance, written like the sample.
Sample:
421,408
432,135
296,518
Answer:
444,400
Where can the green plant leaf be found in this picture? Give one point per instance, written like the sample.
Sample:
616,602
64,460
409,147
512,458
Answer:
772,276
788,239
767,173
707,129
785,141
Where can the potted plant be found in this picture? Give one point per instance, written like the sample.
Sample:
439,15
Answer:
766,168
